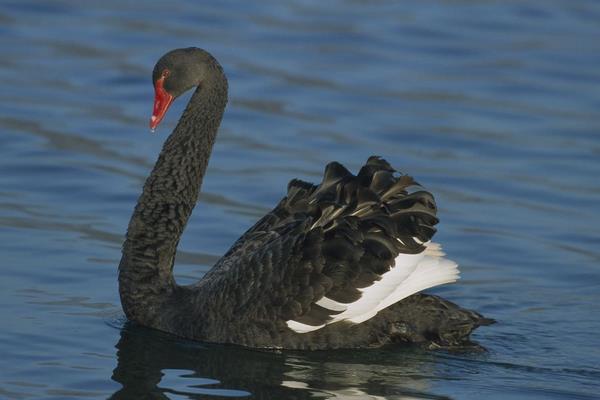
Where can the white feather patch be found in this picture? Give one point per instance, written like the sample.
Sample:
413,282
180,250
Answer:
410,274
372,295
302,328
432,271
331,304
433,249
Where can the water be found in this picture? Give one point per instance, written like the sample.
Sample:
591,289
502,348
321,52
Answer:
493,105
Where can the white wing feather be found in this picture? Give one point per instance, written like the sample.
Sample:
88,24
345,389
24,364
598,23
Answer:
410,274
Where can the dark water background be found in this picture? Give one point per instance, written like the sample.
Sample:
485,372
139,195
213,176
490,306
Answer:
493,105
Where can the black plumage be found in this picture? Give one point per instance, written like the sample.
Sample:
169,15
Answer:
329,240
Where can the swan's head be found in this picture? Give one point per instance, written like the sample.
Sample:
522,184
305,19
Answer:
174,74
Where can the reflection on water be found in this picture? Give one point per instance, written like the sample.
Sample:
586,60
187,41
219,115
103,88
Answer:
493,105
155,365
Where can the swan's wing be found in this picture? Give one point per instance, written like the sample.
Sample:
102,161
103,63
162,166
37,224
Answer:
343,250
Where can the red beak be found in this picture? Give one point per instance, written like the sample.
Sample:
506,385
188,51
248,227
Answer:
162,101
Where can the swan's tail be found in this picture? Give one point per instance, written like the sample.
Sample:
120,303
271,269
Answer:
433,321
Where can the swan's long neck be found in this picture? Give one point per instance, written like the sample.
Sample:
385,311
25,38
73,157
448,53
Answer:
169,196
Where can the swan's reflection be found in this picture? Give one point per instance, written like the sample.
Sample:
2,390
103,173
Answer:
153,365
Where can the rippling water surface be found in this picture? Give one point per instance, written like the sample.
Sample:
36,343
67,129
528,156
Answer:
493,105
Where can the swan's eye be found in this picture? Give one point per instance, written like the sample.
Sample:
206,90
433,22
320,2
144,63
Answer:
165,73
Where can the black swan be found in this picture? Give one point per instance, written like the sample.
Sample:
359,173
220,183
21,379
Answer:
334,265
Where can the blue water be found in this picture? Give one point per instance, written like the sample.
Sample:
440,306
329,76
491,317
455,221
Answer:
493,105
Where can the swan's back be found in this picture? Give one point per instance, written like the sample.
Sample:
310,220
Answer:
340,251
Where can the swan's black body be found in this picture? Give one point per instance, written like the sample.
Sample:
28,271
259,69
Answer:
326,240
